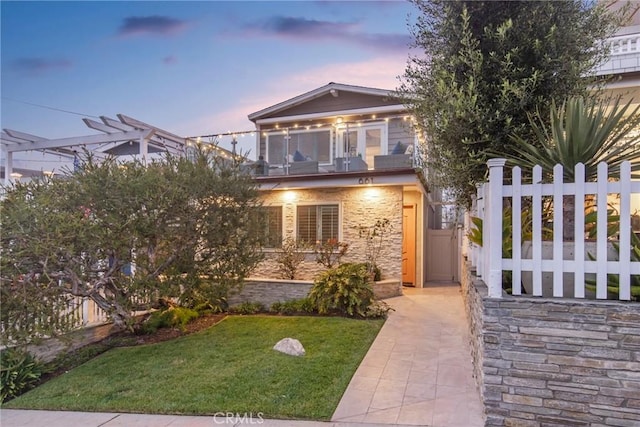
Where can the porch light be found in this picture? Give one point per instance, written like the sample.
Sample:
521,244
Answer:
289,196
339,120
15,175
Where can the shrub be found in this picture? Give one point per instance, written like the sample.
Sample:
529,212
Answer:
345,290
296,306
330,253
289,257
169,318
19,372
247,308
378,310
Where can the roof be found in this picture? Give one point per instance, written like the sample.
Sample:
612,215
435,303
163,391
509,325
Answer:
333,88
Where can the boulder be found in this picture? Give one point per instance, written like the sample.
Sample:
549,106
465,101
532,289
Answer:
290,346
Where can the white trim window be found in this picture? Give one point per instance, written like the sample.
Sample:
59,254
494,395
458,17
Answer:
304,144
318,223
365,141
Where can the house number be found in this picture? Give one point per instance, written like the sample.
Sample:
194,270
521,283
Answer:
365,181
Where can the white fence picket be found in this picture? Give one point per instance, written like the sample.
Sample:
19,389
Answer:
489,260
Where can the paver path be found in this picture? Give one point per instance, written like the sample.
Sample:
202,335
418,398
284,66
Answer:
418,371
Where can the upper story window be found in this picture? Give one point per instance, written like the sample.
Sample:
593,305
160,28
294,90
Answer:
365,141
312,144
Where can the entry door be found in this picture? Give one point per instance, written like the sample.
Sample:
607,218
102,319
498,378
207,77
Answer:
409,245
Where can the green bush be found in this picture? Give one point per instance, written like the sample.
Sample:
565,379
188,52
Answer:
169,318
247,308
296,306
378,310
345,290
19,372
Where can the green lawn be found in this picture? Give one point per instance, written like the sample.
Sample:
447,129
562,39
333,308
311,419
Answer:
229,367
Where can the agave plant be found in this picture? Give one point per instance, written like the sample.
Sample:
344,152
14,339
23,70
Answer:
587,132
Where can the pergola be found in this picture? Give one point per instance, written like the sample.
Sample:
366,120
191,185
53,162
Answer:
123,137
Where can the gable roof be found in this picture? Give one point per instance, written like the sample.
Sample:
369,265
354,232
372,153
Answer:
331,88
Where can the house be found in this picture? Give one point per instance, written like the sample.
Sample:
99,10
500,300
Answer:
342,157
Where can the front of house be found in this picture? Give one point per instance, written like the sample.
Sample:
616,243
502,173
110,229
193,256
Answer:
339,158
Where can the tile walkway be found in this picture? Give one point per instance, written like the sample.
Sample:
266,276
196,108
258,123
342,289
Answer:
417,373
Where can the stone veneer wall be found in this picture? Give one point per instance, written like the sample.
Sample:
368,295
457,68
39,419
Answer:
358,206
554,362
268,291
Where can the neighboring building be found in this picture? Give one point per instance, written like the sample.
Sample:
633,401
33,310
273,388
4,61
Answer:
341,157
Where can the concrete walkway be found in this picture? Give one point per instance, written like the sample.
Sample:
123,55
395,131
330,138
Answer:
417,372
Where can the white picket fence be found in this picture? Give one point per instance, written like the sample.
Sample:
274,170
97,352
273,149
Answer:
488,259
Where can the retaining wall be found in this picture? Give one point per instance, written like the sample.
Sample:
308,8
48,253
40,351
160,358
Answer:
554,362
268,291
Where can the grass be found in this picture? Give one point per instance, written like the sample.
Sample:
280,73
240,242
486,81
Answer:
229,367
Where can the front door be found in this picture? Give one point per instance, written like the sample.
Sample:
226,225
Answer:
409,245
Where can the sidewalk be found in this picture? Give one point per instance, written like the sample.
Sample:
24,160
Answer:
418,370
417,373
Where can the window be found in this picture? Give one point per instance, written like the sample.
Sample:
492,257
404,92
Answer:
272,226
311,144
317,223
366,141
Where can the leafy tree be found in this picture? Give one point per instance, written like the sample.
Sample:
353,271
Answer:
486,65
125,235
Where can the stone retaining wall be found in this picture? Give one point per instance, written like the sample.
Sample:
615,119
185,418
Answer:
268,291
555,362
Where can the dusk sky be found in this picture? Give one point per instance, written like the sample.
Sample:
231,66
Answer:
191,68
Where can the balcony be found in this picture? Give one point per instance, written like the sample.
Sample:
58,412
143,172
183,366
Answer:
625,53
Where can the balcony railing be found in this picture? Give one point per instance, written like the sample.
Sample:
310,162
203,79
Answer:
411,160
624,57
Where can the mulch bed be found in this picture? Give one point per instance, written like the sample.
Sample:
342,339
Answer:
165,334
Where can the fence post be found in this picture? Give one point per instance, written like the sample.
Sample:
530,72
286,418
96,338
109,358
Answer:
493,219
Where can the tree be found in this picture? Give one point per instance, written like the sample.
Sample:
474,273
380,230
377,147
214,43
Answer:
486,66
125,235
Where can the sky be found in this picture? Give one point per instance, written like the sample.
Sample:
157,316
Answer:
191,68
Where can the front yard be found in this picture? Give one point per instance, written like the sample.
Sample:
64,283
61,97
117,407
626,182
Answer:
229,367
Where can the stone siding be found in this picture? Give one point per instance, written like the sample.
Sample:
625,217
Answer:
268,291
359,206
555,362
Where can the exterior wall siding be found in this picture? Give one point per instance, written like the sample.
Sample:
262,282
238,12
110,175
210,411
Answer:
399,130
358,206
553,362
269,291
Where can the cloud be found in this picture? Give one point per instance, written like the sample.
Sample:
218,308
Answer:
302,27
297,28
170,60
36,66
154,25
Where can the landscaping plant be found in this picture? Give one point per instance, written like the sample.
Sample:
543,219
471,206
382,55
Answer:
289,257
19,372
344,290
186,224
330,253
374,238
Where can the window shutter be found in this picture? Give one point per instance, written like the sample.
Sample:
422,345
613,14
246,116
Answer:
307,224
328,222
